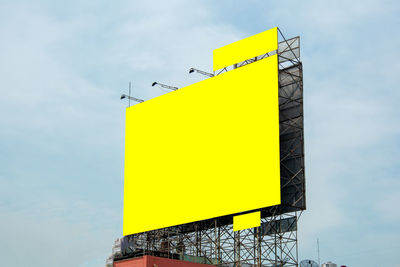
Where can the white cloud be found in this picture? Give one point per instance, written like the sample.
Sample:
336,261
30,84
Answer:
63,120
64,66
65,233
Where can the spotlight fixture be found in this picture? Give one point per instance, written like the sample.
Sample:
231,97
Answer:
191,70
165,86
132,98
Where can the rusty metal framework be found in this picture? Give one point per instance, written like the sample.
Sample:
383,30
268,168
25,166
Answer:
272,244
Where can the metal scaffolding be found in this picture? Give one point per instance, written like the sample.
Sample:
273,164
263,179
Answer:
272,244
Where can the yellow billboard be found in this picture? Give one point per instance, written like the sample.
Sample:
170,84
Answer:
206,150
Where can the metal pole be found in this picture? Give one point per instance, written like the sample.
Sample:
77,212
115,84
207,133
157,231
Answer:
129,98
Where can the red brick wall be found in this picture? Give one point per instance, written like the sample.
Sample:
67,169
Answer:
135,262
150,261
163,262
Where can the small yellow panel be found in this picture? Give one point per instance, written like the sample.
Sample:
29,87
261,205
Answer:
247,48
246,221
207,150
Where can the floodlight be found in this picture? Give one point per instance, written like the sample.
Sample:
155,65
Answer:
191,70
132,98
165,86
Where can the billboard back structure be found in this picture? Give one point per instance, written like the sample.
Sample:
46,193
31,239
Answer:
212,149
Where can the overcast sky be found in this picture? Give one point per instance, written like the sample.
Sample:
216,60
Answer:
64,64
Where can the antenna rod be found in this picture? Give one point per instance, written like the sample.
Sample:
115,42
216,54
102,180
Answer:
319,261
129,101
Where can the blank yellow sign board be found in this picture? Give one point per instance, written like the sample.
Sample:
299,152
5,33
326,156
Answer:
247,48
206,150
246,221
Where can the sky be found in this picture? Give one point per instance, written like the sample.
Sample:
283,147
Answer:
64,65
